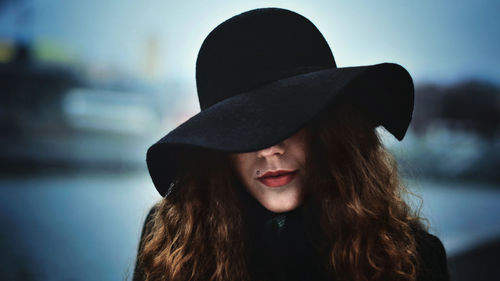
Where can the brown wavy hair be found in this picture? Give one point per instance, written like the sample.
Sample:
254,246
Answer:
366,227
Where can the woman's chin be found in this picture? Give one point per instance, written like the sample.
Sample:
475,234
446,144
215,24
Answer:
280,205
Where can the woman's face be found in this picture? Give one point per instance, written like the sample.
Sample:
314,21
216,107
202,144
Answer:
275,175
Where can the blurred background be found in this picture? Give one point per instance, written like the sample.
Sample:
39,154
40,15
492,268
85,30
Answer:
87,86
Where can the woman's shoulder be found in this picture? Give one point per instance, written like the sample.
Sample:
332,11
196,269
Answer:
138,271
151,213
432,256
148,221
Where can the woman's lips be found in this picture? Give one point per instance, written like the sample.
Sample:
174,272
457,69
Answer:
277,178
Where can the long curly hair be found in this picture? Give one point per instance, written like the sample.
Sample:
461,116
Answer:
367,229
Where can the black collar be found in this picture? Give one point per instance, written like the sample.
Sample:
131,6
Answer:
279,245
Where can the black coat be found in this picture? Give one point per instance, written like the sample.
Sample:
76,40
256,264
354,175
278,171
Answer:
278,248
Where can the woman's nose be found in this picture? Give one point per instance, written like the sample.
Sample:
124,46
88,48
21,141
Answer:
277,149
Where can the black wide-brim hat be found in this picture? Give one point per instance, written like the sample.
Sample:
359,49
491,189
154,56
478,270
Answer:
264,74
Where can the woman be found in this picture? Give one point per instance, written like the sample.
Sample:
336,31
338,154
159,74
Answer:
282,175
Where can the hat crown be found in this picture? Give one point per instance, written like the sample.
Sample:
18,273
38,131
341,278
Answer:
255,48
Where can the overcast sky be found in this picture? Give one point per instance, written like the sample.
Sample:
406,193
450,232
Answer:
437,41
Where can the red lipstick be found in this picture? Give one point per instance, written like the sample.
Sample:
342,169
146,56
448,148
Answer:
277,178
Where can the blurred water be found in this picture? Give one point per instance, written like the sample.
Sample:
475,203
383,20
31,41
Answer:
72,227
87,226
462,214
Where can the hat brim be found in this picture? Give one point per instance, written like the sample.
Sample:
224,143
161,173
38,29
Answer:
264,116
